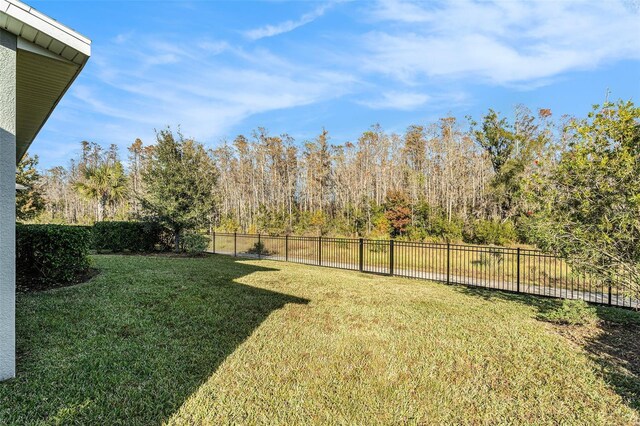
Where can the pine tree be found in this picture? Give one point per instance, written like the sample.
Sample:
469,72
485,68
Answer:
179,182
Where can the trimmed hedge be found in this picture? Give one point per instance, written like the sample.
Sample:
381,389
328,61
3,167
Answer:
121,237
51,255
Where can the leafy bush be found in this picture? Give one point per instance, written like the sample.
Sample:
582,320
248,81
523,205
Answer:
434,224
228,224
491,232
571,312
270,221
446,230
414,233
51,255
381,227
587,205
259,248
194,243
127,236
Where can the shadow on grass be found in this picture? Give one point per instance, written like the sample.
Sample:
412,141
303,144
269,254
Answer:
612,341
134,344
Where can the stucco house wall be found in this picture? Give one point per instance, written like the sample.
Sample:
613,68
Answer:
8,50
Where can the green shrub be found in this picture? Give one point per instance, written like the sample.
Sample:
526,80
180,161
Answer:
121,237
414,233
445,229
491,232
571,312
194,243
258,248
51,255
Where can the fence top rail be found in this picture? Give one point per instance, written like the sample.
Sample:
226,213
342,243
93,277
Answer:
397,242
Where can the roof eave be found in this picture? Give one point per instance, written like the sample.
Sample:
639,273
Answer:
48,26
53,40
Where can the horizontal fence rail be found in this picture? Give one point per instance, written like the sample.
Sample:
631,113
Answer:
515,270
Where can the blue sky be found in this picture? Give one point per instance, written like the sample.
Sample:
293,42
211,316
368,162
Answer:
221,68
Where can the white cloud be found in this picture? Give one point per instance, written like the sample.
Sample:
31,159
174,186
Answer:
405,56
403,11
286,26
207,87
407,100
504,42
123,37
397,100
213,47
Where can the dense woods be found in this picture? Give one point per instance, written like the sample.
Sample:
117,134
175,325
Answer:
567,185
448,180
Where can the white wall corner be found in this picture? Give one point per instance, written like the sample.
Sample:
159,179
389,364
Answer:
8,58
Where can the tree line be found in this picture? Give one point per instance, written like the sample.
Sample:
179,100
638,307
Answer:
567,185
444,181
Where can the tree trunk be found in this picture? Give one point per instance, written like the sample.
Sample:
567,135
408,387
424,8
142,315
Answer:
177,240
101,207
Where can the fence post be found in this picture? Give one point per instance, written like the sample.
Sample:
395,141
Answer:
360,255
609,302
213,242
391,257
448,263
286,248
235,244
319,250
518,271
259,247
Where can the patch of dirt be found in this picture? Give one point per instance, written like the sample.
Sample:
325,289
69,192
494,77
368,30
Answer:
615,342
616,349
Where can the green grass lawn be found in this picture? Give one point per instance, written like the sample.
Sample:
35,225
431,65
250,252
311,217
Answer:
217,340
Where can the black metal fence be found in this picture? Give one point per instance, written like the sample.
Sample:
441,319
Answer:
517,270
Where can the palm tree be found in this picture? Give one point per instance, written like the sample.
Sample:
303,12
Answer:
105,183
